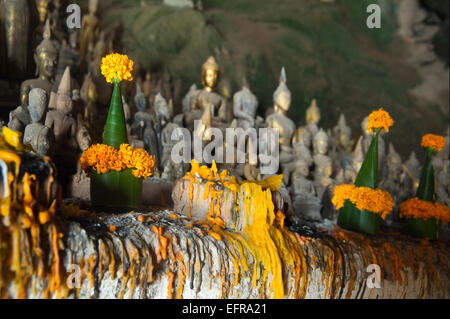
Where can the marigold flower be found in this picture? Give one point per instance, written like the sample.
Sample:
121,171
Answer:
103,158
379,119
375,201
417,208
436,142
117,66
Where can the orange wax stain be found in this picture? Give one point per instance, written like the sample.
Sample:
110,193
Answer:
112,228
163,241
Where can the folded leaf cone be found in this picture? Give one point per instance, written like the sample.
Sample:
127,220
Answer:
352,218
430,227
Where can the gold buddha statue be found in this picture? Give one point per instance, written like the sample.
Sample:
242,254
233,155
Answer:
46,58
313,113
42,9
89,28
206,97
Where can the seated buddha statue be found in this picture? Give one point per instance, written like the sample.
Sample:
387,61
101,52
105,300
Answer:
46,58
206,97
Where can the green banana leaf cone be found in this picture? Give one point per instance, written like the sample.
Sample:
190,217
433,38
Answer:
350,217
418,227
115,192
431,227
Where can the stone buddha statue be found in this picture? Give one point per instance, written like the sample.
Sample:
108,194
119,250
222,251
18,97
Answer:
60,120
206,97
313,113
46,58
143,125
391,180
410,177
279,120
245,105
147,88
323,164
306,203
39,136
64,127
89,28
186,103
343,133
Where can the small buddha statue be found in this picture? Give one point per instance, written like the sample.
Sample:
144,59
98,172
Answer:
55,21
313,113
46,58
279,120
37,135
169,167
323,164
142,118
410,177
306,203
147,88
42,10
443,184
245,105
64,127
343,133
187,98
302,153
205,97
89,28
391,180
91,114
162,110
80,182
60,120
143,125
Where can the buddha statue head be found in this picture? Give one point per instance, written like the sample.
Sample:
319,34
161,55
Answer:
92,93
394,161
83,137
282,96
37,105
364,124
42,10
320,143
344,136
301,169
210,74
140,100
313,113
46,56
93,6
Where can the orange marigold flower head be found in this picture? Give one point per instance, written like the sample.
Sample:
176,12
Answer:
117,66
103,158
376,200
417,208
436,142
379,119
